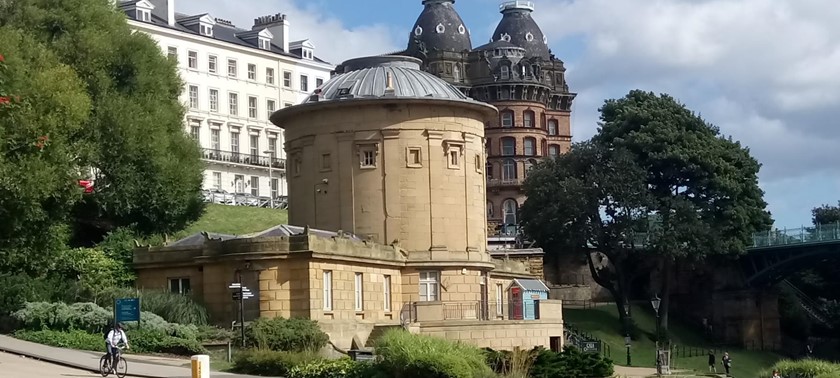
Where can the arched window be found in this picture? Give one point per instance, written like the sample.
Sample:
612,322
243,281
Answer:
553,150
456,73
507,118
530,146
552,127
508,146
488,169
528,118
510,207
489,209
509,169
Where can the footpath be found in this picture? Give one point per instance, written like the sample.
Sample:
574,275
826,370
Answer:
138,366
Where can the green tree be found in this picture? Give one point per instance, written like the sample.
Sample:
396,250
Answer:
826,214
147,171
43,108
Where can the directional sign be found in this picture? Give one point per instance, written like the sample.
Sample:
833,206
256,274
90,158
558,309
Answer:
127,309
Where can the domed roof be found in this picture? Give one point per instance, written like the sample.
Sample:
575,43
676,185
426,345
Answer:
439,27
385,76
518,27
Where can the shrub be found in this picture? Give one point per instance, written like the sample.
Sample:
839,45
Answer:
16,290
150,321
72,339
62,317
512,364
269,362
570,363
172,307
208,333
281,334
406,355
807,368
341,368
152,341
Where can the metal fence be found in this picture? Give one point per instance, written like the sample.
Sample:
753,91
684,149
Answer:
782,237
243,199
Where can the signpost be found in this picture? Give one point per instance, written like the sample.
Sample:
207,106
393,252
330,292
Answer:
240,294
127,310
591,347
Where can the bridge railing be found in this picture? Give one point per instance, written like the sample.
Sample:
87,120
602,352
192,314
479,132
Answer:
782,237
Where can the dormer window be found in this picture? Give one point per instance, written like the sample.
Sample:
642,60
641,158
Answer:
206,29
265,44
505,72
307,54
144,15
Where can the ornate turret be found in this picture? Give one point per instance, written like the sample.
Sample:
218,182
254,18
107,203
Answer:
438,28
518,27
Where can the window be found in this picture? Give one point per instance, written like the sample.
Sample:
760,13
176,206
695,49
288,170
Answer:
508,146
358,286
530,146
328,297
179,285
414,157
510,207
214,140
490,209
367,156
387,291
172,53
507,118
252,72
304,83
193,91
509,169
454,161
553,150
211,63
552,127
234,142
269,76
265,44
252,107
206,30
192,60
233,102
528,118
529,164
499,300
217,180
214,100
477,163
326,162
144,15
194,132
298,165
255,186
269,108
255,146
272,147
231,68
505,72
488,169
274,185
428,286
287,79
239,183
319,82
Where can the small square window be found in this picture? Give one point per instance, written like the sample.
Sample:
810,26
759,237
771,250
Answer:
367,156
454,159
326,162
414,157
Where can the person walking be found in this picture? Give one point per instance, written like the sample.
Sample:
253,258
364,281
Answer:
727,362
712,362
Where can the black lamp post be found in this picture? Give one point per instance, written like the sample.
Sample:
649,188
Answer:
655,302
627,329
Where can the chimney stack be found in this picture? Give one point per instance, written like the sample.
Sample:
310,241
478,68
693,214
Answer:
278,25
170,12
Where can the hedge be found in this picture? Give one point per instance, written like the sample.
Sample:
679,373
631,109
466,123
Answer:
806,368
270,362
405,355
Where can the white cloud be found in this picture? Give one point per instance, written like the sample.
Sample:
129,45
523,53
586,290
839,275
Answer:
334,41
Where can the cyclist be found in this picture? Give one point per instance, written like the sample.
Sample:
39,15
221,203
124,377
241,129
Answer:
112,340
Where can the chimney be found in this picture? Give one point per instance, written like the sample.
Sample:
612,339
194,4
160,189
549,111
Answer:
170,12
278,25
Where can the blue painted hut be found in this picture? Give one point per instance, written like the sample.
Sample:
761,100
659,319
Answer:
524,295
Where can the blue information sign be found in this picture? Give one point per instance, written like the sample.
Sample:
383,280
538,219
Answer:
127,309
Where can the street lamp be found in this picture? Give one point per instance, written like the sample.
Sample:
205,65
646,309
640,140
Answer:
270,179
627,329
655,302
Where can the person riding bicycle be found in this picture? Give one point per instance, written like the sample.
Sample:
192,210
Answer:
112,340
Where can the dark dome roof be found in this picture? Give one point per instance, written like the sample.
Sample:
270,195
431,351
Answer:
518,27
439,27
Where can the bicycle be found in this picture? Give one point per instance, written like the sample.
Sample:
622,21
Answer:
105,364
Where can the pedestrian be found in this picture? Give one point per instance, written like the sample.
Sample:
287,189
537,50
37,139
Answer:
712,362
776,374
727,362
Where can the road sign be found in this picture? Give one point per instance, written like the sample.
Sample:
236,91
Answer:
127,309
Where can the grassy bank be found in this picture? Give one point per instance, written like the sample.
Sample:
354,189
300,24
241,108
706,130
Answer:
236,220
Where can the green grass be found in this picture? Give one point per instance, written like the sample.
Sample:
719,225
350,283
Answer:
602,322
236,220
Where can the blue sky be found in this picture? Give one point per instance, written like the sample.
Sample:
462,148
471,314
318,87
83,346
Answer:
766,72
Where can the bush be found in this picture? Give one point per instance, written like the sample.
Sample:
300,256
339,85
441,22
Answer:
72,339
405,355
570,363
807,368
152,341
269,362
16,290
281,334
208,333
172,307
342,368
62,317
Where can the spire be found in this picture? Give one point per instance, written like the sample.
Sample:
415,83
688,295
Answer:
438,28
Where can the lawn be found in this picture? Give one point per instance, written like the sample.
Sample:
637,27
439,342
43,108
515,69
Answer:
236,220
602,322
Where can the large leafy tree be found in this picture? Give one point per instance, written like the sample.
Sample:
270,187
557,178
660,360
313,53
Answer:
148,173
825,214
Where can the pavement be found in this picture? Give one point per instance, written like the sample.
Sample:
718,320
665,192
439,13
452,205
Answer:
14,366
138,366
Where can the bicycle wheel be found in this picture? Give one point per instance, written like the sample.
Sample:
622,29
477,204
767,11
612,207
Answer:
104,366
122,368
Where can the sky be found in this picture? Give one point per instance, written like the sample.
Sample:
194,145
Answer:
766,72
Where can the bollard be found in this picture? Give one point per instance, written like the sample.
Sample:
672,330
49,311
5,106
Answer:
200,366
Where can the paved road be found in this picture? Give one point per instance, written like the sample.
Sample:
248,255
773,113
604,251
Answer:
15,366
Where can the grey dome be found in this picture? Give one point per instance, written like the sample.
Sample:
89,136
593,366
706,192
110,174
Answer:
439,27
518,27
369,78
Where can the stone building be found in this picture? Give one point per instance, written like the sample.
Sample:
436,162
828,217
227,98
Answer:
396,156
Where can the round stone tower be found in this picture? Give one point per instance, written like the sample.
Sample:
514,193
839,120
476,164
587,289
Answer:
392,153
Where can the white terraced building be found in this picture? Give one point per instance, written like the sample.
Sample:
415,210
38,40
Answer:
234,79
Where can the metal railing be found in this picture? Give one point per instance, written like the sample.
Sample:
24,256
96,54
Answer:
810,306
476,310
243,199
244,159
801,235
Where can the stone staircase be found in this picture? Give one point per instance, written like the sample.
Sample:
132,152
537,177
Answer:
377,332
811,307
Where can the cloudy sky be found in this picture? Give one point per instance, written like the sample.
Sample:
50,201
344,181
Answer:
766,72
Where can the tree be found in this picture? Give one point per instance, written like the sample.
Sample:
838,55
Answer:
590,200
703,187
147,172
825,214
43,108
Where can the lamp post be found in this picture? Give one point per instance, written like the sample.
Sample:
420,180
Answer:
627,329
655,302
270,178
